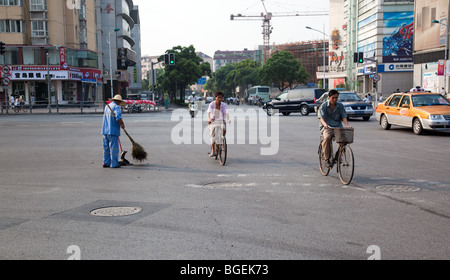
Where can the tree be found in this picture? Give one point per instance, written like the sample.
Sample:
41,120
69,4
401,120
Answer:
187,70
245,73
283,70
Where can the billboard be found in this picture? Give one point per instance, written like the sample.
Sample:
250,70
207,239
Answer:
398,37
429,35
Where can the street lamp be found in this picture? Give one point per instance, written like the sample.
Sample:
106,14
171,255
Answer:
110,60
446,50
324,52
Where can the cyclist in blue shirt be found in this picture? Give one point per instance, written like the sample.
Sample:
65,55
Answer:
331,114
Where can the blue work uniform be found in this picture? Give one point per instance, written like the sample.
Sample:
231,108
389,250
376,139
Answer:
111,133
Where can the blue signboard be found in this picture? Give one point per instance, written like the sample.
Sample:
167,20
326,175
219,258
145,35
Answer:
201,81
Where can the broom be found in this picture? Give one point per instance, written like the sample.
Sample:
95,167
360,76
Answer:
137,152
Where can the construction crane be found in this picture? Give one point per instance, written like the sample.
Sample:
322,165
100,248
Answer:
267,27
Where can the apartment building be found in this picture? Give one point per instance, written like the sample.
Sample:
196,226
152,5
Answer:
50,37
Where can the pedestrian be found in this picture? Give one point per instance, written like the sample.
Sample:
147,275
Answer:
112,122
443,93
381,98
11,101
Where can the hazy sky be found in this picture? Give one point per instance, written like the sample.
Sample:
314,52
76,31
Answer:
206,24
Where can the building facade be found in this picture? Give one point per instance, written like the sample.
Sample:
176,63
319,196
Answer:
222,58
430,42
383,30
117,45
50,38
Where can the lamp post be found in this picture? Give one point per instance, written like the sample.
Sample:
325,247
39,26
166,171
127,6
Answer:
110,60
324,52
446,50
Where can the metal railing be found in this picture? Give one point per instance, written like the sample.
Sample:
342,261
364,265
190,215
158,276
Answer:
42,107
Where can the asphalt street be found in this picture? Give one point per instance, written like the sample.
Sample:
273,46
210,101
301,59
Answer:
269,201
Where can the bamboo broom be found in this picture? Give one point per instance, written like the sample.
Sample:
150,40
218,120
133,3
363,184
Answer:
137,152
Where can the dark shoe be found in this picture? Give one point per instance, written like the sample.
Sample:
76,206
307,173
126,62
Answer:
328,163
105,166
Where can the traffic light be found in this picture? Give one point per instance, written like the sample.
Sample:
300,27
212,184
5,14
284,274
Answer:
375,84
166,59
2,48
360,57
172,59
355,57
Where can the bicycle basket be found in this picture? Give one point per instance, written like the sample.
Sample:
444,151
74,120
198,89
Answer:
344,135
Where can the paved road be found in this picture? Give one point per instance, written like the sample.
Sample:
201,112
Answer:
257,207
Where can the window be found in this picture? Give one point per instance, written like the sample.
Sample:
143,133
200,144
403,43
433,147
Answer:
395,100
10,26
405,101
10,2
38,5
39,28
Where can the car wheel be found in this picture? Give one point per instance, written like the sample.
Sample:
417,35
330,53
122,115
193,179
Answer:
270,110
384,123
417,127
304,110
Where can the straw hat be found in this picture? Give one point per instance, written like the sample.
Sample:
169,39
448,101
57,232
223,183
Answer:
118,99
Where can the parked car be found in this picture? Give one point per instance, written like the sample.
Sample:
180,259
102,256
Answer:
295,100
354,106
417,110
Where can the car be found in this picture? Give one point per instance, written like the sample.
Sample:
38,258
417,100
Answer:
417,110
354,106
209,99
294,100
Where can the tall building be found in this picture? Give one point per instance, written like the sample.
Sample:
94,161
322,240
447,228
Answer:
380,29
135,85
50,37
117,46
430,41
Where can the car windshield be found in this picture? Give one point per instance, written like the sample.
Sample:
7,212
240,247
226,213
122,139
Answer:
429,100
348,97
282,96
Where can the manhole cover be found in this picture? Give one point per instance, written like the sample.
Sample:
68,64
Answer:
397,188
116,211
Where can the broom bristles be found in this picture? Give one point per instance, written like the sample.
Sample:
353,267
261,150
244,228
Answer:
138,152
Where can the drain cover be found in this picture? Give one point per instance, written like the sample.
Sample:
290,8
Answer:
116,211
397,188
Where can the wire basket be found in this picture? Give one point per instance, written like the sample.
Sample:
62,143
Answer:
344,135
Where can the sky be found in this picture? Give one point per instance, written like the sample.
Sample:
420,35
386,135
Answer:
206,24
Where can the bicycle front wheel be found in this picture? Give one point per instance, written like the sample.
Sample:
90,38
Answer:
346,164
223,151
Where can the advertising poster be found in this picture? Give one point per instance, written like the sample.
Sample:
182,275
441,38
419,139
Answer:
398,37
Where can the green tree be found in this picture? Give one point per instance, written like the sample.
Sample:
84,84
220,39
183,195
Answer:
246,73
283,70
187,70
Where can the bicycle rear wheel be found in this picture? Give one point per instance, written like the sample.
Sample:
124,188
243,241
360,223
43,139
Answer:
323,169
223,151
346,164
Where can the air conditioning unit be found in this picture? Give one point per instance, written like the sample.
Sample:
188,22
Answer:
72,85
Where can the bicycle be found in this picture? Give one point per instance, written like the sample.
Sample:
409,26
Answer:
22,107
344,157
221,149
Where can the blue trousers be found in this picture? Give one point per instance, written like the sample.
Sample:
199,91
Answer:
111,150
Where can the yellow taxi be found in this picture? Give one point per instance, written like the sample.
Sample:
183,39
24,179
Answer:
417,110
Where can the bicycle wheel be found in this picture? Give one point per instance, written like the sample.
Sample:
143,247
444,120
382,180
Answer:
25,109
223,151
323,169
16,109
346,164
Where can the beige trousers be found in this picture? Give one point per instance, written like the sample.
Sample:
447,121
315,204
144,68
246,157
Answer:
327,144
